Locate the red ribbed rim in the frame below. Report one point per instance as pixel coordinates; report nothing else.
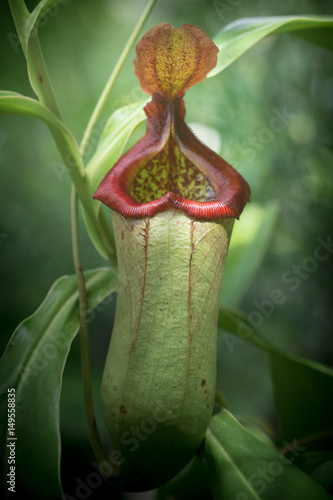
(165, 119)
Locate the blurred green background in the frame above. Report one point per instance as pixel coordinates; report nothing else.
(282, 75)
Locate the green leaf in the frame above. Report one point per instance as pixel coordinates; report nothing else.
(13, 103)
(17, 104)
(26, 22)
(303, 389)
(27, 29)
(20, 15)
(37, 71)
(102, 238)
(33, 365)
(238, 324)
(189, 484)
(41, 9)
(301, 385)
(324, 475)
(240, 467)
(115, 135)
(114, 138)
(239, 36)
(249, 243)
(256, 430)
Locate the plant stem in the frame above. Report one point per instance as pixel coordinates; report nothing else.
(29, 40)
(108, 87)
(84, 343)
(83, 305)
(304, 440)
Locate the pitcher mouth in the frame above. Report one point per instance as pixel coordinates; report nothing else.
(170, 168)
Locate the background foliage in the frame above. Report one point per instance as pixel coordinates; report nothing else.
(290, 168)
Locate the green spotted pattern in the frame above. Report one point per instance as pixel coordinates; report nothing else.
(171, 171)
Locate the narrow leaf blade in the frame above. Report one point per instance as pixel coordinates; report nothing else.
(239, 36)
(33, 365)
(237, 323)
(114, 138)
(37, 71)
(17, 104)
(301, 385)
(113, 141)
(13, 103)
(249, 243)
(302, 395)
(239, 466)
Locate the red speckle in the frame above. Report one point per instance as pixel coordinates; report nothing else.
(41, 79)
(231, 191)
(122, 409)
(203, 382)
